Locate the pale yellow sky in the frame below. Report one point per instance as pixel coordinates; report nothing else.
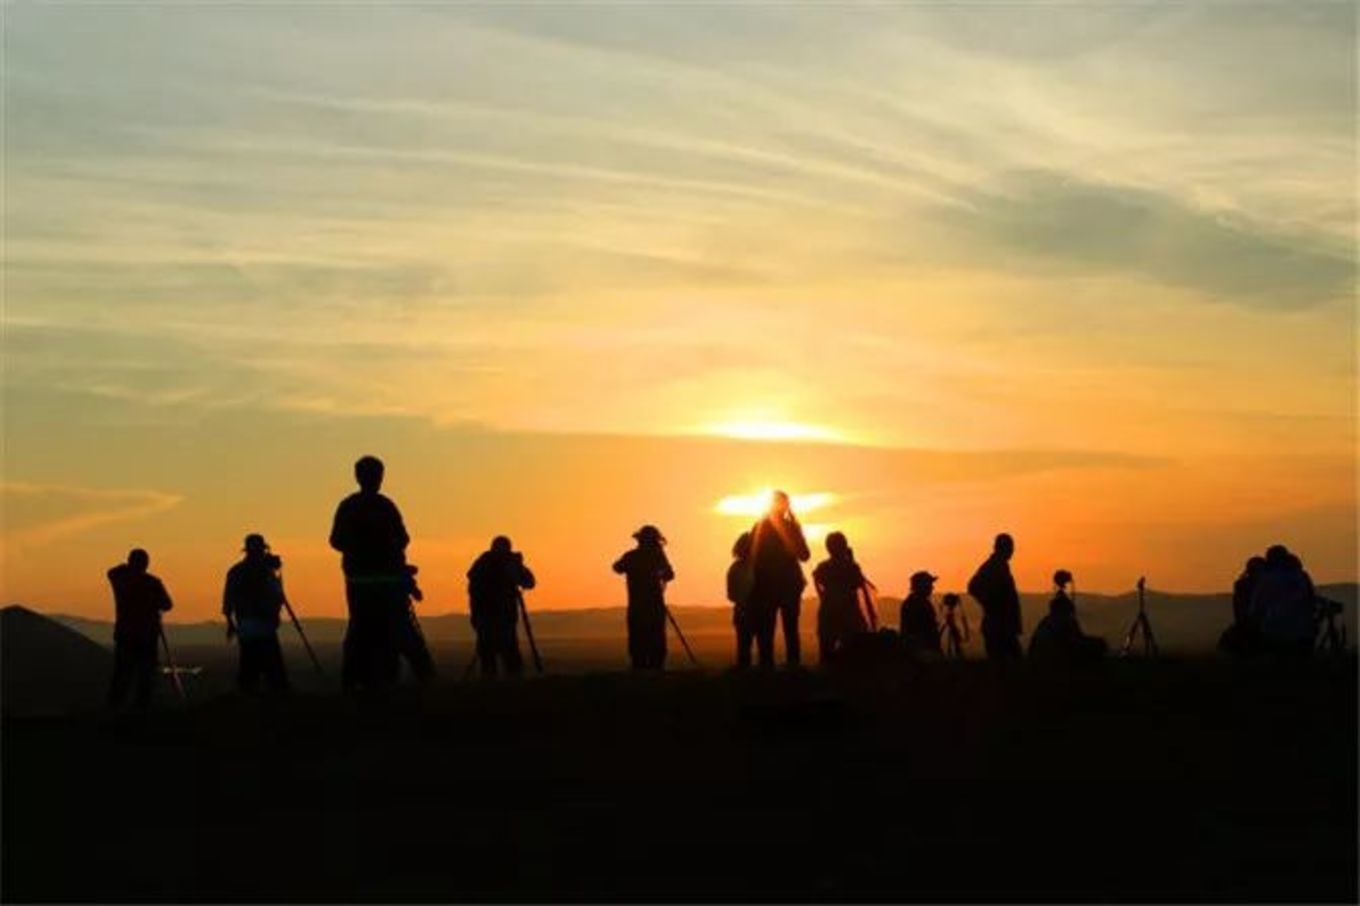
(1084, 273)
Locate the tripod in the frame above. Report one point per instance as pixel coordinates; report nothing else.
(1140, 626)
(1332, 637)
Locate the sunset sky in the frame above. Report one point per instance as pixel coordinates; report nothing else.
(1081, 272)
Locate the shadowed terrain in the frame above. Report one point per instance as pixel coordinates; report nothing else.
(1172, 780)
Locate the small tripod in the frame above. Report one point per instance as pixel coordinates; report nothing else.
(1141, 625)
(1331, 637)
(953, 639)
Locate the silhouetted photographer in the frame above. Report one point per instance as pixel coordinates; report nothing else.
(647, 571)
(252, 600)
(495, 582)
(139, 599)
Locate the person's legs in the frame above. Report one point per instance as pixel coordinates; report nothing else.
(247, 665)
(764, 619)
(144, 673)
(514, 661)
(486, 653)
(122, 674)
(745, 636)
(272, 666)
(788, 614)
(352, 650)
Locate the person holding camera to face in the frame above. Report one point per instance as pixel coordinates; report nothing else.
(495, 582)
(251, 602)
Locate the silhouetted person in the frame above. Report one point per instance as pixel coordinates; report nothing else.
(993, 587)
(839, 582)
(1058, 638)
(369, 533)
(139, 599)
(740, 580)
(1283, 605)
(647, 571)
(251, 602)
(778, 549)
(919, 626)
(1242, 637)
(494, 584)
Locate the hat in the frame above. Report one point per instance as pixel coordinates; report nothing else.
(255, 541)
(650, 533)
(921, 577)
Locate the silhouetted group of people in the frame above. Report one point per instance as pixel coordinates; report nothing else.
(1275, 607)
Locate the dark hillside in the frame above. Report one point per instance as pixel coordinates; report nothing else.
(1138, 781)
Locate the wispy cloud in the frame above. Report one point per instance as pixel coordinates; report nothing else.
(39, 514)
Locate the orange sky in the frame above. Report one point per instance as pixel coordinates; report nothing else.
(1081, 274)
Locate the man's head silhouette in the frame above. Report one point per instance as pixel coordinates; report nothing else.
(779, 503)
(501, 544)
(1004, 546)
(368, 471)
(139, 560)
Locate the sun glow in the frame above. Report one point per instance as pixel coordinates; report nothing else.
(758, 504)
(775, 430)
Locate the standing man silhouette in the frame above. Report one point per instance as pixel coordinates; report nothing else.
(778, 550)
(993, 587)
(139, 599)
(369, 533)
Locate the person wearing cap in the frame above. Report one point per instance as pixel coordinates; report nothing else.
(778, 549)
(494, 584)
(647, 571)
(251, 602)
(839, 582)
(919, 628)
(993, 587)
(139, 599)
(369, 533)
(1059, 637)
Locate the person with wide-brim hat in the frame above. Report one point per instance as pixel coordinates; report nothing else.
(647, 571)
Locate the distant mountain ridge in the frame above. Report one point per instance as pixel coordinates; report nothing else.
(1189, 622)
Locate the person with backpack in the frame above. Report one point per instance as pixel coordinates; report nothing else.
(740, 579)
(139, 599)
(919, 626)
(251, 602)
(495, 582)
(647, 571)
(993, 587)
(840, 583)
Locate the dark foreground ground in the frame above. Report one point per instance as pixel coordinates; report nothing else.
(1137, 781)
